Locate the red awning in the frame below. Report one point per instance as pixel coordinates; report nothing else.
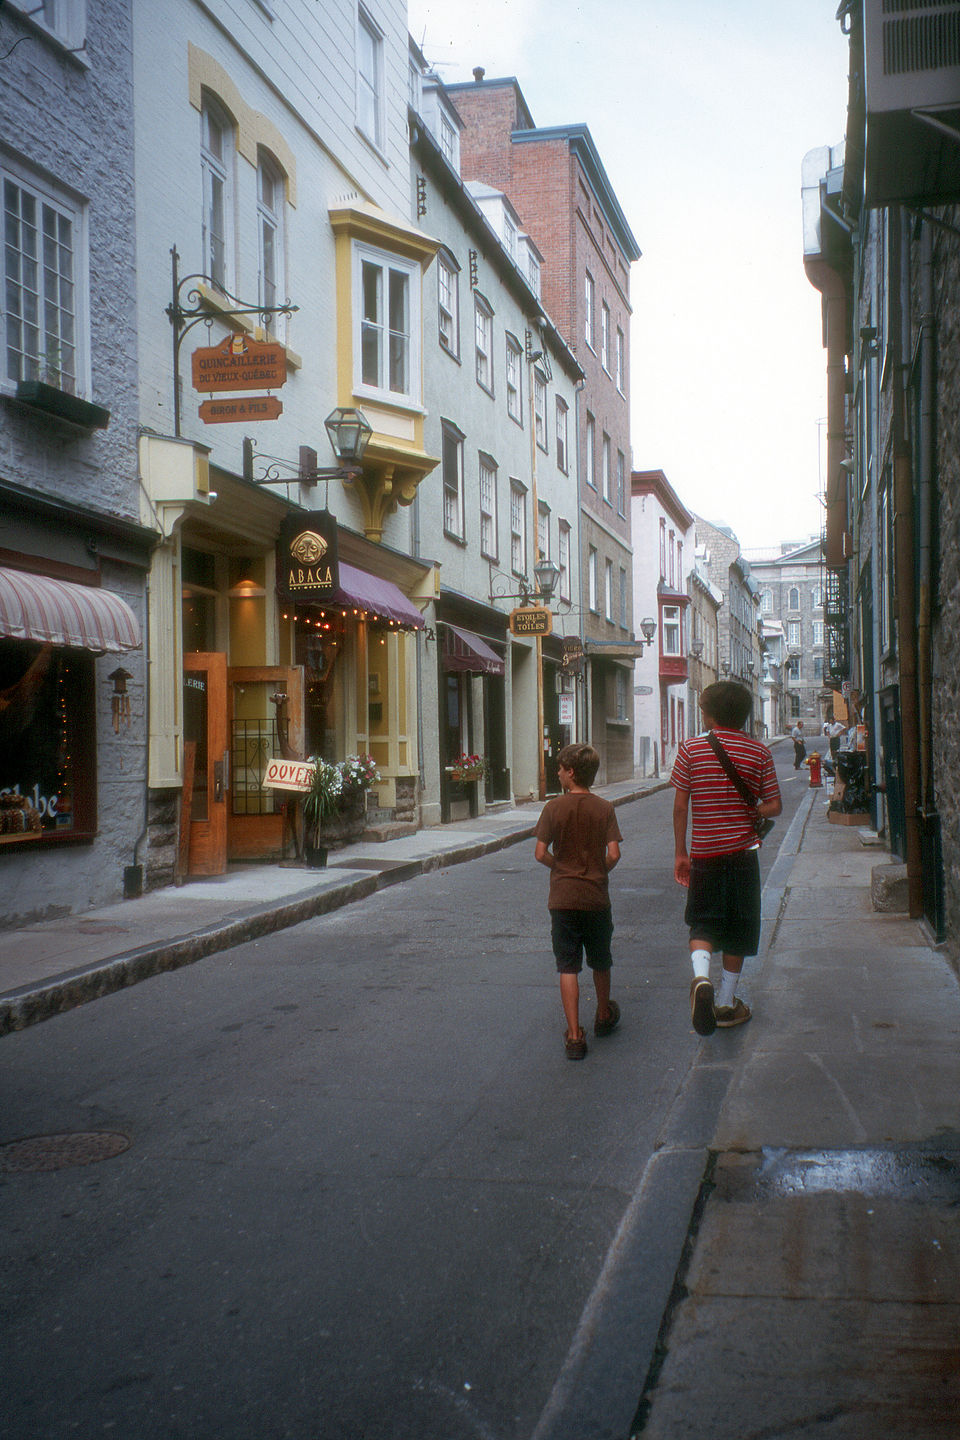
(56, 612)
(359, 590)
(462, 650)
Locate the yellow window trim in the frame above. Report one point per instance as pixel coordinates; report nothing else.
(253, 128)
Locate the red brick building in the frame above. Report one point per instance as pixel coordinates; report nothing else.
(557, 184)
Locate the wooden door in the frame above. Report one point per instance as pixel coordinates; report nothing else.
(205, 724)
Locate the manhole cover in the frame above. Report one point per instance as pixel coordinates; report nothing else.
(59, 1152)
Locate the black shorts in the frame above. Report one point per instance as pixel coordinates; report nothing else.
(723, 902)
(576, 931)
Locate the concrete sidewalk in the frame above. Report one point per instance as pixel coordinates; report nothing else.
(819, 1291)
(52, 966)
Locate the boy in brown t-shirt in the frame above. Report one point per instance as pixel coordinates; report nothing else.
(578, 839)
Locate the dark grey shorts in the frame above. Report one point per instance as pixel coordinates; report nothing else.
(577, 931)
(723, 902)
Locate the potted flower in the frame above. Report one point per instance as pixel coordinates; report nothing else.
(321, 804)
(467, 767)
(358, 773)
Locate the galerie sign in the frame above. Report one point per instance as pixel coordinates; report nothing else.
(308, 568)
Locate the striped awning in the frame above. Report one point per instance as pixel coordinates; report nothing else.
(56, 612)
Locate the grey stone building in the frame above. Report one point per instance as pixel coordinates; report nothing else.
(738, 617)
(72, 552)
(790, 581)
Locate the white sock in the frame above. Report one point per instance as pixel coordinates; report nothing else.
(728, 987)
(701, 963)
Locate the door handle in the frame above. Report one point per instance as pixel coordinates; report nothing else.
(221, 777)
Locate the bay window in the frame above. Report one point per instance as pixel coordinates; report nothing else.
(387, 324)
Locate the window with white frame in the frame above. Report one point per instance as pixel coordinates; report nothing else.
(387, 323)
(270, 216)
(563, 560)
(414, 86)
(793, 633)
(621, 483)
(671, 630)
(489, 540)
(623, 693)
(623, 597)
(217, 166)
(483, 339)
(533, 272)
(793, 598)
(449, 141)
(563, 453)
(816, 597)
(448, 302)
(605, 336)
(766, 602)
(43, 318)
(679, 564)
(514, 381)
(590, 430)
(818, 632)
(605, 469)
(518, 529)
(620, 360)
(589, 311)
(543, 531)
(66, 20)
(672, 560)
(663, 549)
(540, 409)
(593, 583)
(608, 590)
(509, 235)
(451, 451)
(369, 78)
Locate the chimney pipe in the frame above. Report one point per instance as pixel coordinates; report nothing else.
(478, 74)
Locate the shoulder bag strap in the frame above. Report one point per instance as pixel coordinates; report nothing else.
(734, 775)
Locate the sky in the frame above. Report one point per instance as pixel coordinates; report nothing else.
(702, 112)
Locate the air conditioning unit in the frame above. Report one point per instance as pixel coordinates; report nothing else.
(912, 72)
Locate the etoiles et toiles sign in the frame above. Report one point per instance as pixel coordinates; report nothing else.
(308, 568)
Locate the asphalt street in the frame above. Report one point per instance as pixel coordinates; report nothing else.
(365, 1194)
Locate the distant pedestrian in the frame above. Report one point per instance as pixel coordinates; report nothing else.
(578, 839)
(836, 730)
(799, 745)
(721, 870)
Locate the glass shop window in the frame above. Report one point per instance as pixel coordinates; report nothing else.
(47, 740)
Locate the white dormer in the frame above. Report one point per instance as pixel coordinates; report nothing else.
(505, 224)
(530, 262)
(441, 119)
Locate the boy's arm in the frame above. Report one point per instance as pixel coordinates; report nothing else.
(681, 860)
(612, 855)
(544, 855)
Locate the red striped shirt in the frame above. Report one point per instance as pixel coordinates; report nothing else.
(721, 821)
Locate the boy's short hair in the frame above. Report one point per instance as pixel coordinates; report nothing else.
(728, 703)
(583, 760)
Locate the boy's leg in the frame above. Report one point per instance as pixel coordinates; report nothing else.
(702, 1010)
(570, 996)
(730, 1010)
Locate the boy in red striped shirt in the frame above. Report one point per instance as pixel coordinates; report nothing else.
(721, 870)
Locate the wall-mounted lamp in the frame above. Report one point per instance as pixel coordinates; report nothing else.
(120, 700)
(246, 589)
(547, 574)
(349, 432)
(648, 628)
(696, 649)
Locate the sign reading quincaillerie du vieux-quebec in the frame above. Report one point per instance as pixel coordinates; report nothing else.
(239, 363)
(308, 567)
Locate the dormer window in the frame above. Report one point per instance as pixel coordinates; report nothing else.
(509, 236)
(449, 141)
(533, 272)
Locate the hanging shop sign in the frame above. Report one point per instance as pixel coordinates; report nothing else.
(288, 775)
(308, 567)
(243, 407)
(239, 363)
(573, 660)
(531, 620)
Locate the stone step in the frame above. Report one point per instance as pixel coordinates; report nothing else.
(390, 830)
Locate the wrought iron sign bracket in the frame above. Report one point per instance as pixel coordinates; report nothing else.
(306, 470)
(198, 311)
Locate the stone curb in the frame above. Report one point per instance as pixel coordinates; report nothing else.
(31, 1004)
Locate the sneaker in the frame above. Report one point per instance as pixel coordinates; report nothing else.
(576, 1049)
(607, 1027)
(701, 1006)
(736, 1014)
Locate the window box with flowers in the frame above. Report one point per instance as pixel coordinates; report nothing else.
(467, 768)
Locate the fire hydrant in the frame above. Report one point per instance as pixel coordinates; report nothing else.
(813, 764)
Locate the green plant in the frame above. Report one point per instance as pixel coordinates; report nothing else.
(468, 767)
(322, 801)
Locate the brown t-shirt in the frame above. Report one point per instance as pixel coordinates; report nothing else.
(577, 828)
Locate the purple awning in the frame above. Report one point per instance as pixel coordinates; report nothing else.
(462, 650)
(359, 590)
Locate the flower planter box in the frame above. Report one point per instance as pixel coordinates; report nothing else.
(83, 413)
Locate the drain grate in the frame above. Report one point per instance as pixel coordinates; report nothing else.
(59, 1152)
